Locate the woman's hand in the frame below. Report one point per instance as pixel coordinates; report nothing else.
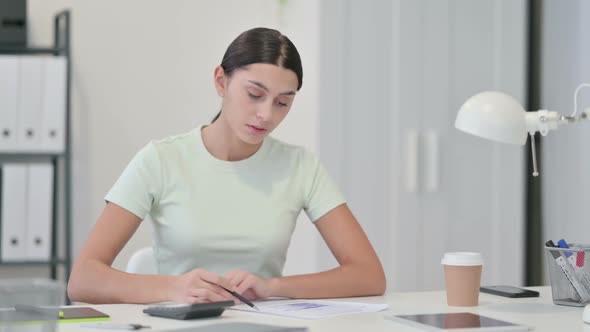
(248, 285)
(198, 286)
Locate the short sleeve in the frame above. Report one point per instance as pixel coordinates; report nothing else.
(139, 186)
(320, 192)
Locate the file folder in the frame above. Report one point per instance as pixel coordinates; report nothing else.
(13, 212)
(39, 211)
(53, 104)
(8, 101)
(29, 103)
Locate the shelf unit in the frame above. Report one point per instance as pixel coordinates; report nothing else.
(61, 175)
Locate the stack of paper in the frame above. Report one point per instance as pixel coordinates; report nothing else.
(310, 309)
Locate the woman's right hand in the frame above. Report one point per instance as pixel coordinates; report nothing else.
(198, 286)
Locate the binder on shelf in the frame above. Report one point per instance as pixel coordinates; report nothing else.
(53, 106)
(39, 211)
(13, 212)
(28, 123)
(8, 101)
(34, 109)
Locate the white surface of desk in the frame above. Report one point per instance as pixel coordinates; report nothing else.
(540, 313)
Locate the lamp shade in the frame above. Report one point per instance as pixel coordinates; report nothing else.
(495, 116)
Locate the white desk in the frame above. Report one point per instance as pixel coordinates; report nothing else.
(540, 313)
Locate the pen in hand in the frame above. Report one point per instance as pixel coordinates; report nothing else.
(241, 298)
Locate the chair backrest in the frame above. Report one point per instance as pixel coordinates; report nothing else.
(142, 262)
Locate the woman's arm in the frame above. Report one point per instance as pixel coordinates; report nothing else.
(360, 272)
(93, 280)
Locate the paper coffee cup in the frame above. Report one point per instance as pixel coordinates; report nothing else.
(462, 278)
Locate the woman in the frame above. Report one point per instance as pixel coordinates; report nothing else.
(224, 199)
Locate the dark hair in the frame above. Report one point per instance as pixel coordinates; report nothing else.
(261, 45)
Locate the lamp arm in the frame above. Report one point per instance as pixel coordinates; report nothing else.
(543, 121)
(583, 85)
(534, 154)
(582, 116)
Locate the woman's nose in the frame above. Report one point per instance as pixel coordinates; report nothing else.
(264, 112)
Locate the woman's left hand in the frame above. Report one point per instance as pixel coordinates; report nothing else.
(248, 285)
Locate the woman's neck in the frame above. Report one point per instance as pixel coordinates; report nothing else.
(223, 144)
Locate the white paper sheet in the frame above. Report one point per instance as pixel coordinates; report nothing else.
(310, 309)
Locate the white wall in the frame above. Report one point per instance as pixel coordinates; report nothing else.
(143, 70)
(565, 63)
(398, 72)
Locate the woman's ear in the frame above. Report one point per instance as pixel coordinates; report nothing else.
(220, 80)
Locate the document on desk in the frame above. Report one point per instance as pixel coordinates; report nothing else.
(310, 309)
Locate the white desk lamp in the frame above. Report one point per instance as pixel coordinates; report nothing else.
(499, 117)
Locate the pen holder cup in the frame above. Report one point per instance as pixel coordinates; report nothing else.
(30, 304)
(569, 274)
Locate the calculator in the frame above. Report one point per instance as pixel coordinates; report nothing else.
(189, 311)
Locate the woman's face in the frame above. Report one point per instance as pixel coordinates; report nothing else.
(256, 99)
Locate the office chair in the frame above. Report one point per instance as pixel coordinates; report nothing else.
(142, 262)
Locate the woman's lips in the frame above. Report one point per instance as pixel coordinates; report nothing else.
(256, 130)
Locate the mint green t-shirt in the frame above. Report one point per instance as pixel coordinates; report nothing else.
(219, 215)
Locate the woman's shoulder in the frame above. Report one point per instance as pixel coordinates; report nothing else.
(168, 148)
(173, 143)
(173, 140)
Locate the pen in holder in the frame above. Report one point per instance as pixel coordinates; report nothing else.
(569, 274)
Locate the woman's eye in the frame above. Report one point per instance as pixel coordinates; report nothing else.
(253, 96)
(282, 104)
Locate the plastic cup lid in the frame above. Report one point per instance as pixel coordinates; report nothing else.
(462, 258)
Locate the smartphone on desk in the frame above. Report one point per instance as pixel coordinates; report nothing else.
(509, 291)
